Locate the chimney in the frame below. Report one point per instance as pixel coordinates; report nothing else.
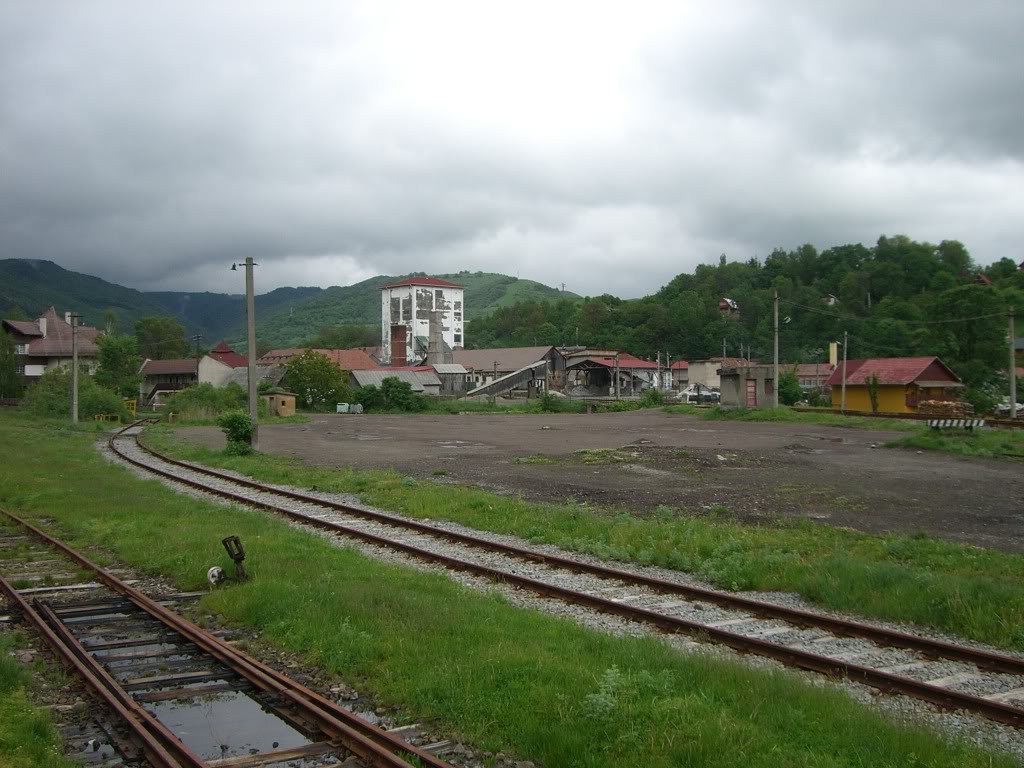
(434, 344)
(42, 326)
(398, 343)
(67, 318)
(833, 353)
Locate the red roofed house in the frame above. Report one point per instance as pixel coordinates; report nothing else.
(345, 359)
(222, 353)
(903, 382)
(407, 308)
(160, 377)
(45, 343)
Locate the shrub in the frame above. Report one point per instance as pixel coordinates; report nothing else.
(790, 392)
(205, 402)
(651, 398)
(237, 428)
(392, 395)
(51, 396)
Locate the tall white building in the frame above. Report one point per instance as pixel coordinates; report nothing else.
(409, 303)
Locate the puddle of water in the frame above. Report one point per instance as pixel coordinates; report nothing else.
(231, 720)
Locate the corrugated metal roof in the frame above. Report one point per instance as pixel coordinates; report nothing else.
(507, 358)
(375, 377)
(449, 368)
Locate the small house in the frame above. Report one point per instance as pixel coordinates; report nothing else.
(279, 402)
(680, 374)
(749, 385)
(901, 383)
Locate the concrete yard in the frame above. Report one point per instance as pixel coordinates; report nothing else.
(756, 471)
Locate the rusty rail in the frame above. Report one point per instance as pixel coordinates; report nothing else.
(941, 697)
(373, 745)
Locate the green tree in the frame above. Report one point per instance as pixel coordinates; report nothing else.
(119, 363)
(873, 391)
(15, 312)
(316, 380)
(10, 382)
(51, 396)
(161, 338)
(790, 392)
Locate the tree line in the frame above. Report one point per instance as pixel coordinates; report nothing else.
(900, 297)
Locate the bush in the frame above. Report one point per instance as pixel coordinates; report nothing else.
(205, 402)
(790, 392)
(651, 398)
(51, 396)
(392, 395)
(238, 429)
(317, 381)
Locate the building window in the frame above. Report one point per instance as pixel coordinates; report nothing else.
(20, 370)
(21, 349)
(458, 338)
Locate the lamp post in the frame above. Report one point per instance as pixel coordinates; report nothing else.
(250, 316)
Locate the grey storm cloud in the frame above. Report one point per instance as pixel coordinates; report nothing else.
(607, 146)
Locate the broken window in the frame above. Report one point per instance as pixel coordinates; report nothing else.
(424, 302)
(396, 309)
(458, 338)
(457, 306)
(407, 309)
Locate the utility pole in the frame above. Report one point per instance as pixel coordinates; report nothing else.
(250, 314)
(842, 397)
(74, 368)
(723, 350)
(668, 371)
(616, 375)
(1013, 370)
(659, 371)
(775, 371)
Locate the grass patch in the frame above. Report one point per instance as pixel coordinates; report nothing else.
(984, 443)
(27, 737)
(586, 456)
(788, 415)
(520, 682)
(973, 592)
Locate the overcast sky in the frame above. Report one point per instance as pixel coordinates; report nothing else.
(606, 145)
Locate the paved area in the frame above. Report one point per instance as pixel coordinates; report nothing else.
(756, 472)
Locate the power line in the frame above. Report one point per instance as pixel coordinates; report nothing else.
(911, 322)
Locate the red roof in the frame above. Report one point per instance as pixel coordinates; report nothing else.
(57, 340)
(346, 359)
(434, 282)
(183, 365)
(892, 371)
(625, 361)
(680, 365)
(224, 354)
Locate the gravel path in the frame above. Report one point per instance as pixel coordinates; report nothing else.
(954, 675)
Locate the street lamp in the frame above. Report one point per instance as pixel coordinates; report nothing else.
(250, 316)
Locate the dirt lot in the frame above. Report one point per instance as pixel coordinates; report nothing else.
(643, 459)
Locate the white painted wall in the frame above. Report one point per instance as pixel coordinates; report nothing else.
(212, 371)
(449, 301)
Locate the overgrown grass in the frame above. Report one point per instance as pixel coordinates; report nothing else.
(27, 737)
(986, 443)
(503, 678)
(784, 414)
(973, 592)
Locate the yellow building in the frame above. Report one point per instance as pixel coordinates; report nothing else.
(903, 382)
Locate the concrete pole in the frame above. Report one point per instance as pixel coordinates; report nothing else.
(775, 372)
(842, 398)
(1013, 370)
(74, 369)
(616, 375)
(250, 312)
(668, 371)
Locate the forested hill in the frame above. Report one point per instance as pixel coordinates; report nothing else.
(900, 297)
(360, 304)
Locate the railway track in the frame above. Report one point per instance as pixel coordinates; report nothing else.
(947, 675)
(181, 697)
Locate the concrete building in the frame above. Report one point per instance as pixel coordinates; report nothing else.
(747, 386)
(407, 309)
(45, 343)
(161, 377)
(705, 372)
(680, 374)
(903, 383)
